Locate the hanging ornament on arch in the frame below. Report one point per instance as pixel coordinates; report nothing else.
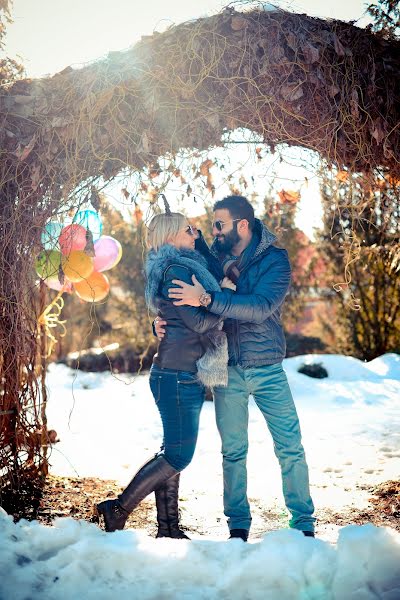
(74, 256)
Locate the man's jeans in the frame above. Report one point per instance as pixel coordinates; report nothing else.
(271, 392)
(179, 397)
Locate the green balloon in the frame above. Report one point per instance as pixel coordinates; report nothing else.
(48, 264)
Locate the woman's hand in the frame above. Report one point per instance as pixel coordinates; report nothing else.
(228, 284)
(159, 326)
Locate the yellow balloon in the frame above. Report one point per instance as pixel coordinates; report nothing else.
(94, 288)
(77, 265)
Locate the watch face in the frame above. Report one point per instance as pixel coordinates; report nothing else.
(205, 299)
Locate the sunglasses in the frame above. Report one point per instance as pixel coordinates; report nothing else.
(219, 224)
(189, 229)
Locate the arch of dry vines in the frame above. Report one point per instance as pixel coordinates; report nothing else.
(323, 85)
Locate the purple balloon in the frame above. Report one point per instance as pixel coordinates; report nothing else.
(108, 252)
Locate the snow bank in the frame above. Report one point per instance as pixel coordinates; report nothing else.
(76, 559)
(109, 425)
(348, 368)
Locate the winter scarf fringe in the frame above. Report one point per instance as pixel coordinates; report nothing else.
(212, 367)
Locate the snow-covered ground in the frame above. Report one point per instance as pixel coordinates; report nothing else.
(108, 426)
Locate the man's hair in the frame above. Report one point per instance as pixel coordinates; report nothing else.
(163, 227)
(239, 208)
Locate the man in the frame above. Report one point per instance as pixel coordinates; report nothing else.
(243, 250)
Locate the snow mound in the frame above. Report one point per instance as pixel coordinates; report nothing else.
(348, 368)
(387, 366)
(76, 559)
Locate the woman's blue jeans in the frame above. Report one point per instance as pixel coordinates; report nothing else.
(271, 392)
(179, 397)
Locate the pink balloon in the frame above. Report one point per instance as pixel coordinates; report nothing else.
(72, 237)
(108, 252)
(54, 284)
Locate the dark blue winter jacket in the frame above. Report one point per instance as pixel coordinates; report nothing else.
(252, 314)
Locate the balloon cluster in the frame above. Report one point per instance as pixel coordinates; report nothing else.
(74, 256)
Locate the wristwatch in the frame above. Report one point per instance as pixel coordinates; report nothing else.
(205, 299)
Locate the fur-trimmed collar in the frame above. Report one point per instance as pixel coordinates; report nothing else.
(166, 255)
(212, 367)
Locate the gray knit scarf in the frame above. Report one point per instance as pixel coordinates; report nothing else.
(212, 367)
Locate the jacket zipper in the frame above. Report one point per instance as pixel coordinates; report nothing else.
(237, 326)
(237, 343)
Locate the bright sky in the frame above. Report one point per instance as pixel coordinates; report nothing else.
(52, 34)
(49, 35)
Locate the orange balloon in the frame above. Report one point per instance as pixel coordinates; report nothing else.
(77, 265)
(94, 288)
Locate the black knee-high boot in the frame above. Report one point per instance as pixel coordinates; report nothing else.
(167, 509)
(149, 477)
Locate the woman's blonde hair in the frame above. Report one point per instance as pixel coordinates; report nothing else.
(164, 227)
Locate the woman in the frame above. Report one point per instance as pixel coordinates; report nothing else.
(191, 356)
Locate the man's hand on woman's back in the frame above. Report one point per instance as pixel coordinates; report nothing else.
(227, 284)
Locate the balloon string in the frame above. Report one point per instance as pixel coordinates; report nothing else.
(50, 320)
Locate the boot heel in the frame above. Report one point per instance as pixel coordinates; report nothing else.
(95, 516)
(167, 510)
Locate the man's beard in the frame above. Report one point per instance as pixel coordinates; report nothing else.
(228, 240)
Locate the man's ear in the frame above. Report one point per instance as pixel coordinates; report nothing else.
(244, 226)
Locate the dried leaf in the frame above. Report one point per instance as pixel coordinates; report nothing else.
(339, 48)
(333, 90)
(394, 182)
(209, 185)
(388, 149)
(154, 171)
(292, 91)
(95, 199)
(144, 143)
(354, 104)
(289, 196)
(239, 23)
(35, 176)
(243, 182)
(213, 120)
(22, 153)
(152, 196)
(61, 276)
(138, 214)
(342, 176)
(311, 53)
(205, 167)
(292, 41)
(276, 54)
(89, 248)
